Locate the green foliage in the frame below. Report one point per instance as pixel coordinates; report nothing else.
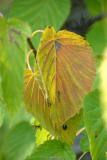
(2, 111)
(95, 126)
(17, 141)
(41, 136)
(51, 149)
(84, 144)
(97, 34)
(41, 13)
(13, 35)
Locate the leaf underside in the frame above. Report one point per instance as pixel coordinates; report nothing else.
(67, 69)
(63, 75)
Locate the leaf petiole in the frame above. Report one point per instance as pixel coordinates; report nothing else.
(83, 155)
(80, 131)
(28, 58)
(37, 31)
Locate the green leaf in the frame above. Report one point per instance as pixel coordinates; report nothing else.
(22, 115)
(41, 136)
(95, 126)
(41, 13)
(53, 149)
(97, 6)
(20, 142)
(96, 37)
(12, 60)
(2, 111)
(84, 144)
(3, 131)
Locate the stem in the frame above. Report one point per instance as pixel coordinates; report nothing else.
(35, 33)
(28, 58)
(30, 43)
(83, 155)
(31, 46)
(80, 131)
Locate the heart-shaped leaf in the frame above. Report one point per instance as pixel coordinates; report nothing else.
(63, 75)
(67, 67)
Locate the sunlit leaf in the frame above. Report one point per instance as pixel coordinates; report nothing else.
(67, 67)
(103, 84)
(41, 136)
(95, 126)
(53, 149)
(13, 35)
(34, 100)
(63, 75)
(36, 105)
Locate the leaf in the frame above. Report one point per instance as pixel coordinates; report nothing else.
(2, 111)
(33, 97)
(96, 37)
(54, 92)
(84, 144)
(40, 14)
(103, 83)
(36, 104)
(22, 115)
(72, 124)
(67, 67)
(41, 136)
(97, 6)
(12, 60)
(95, 126)
(20, 141)
(53, 149)
(3, 131)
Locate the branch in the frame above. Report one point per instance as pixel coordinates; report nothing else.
(98, 17)
(31, 46)
(30, 43)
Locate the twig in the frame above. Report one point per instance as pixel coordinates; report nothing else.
(83, 155)
(31, 46)
(98, 17)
